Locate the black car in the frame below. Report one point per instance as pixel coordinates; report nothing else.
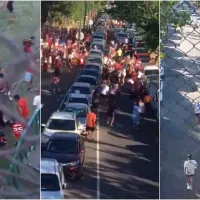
(69, 150)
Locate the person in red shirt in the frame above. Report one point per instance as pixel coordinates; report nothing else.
(17, 129)
(22, 106)
(56, 81)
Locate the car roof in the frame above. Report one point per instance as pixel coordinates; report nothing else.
(69, 135)
(95, 50)
(48, 166)
(80, 84)
(74, 95)
(93, 65)
(76, 105)
(88, 69)
(97, 42)
(87, 76)
(63, 115)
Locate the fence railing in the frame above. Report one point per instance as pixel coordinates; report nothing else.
(25, 147)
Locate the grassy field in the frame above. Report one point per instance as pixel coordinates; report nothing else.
(27, 21)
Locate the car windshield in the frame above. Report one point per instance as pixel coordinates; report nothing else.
(144, 58)
(66, 146)
(78, 100)
(141, 51)
(91, 81)
(98, 37)
(121, 35)
(90, 73)
(151, 72)
(61, 124)
(82, 90)
(49, 182)
(98, 46)
(95, 60)
(92, 67)
(95, 53)
(80, 112)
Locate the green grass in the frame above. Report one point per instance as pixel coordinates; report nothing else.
(27, 21)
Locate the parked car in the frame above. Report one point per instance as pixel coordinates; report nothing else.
(69, 150)
(92, 80)
(95, 66)
(92, 60)
(91, 72)
(122, 37)
(63, 122)
(78, 98)
(52, 179)
(81, 111)
(82, 88)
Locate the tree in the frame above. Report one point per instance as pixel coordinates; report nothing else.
(171, 13)
(145, 14)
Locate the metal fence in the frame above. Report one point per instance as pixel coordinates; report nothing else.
(180, 90)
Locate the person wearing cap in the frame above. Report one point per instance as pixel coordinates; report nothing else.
(190, 166)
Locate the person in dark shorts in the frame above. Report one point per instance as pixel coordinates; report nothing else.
(111, 113)
(10, 8)
(91, 123)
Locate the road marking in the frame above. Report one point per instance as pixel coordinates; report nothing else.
(98, 172)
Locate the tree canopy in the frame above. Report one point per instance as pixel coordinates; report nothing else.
(56, 10)
(171, 13)
(145, 14)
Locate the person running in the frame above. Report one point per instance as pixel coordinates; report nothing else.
(111, 113)
(10, 8)
(22, 106)
(91, 124)
(56, 80)
(28, 77)
(197, 111)
(17, 129)
(190, 166)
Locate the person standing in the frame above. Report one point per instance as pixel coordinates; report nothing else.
(136, 114)
(37, 100)
(111, 113)
(197, 111)
(104, 91)
(91, 123)
(22, 106)
(190, 166)
(56, 81)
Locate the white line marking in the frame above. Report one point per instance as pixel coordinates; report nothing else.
(98, 171)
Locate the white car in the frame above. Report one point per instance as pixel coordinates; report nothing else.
(52, 179)
(62, 122)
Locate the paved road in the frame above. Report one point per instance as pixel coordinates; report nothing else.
(179, 135)
(14, 60)
(121, 164)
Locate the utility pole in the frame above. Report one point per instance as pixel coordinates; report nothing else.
(85, 13)
(79, 33)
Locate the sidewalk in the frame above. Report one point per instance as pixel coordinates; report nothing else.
(179, 135)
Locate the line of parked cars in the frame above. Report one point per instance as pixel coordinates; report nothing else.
(63, 149)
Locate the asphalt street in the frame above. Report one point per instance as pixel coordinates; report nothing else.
(122, 163)
(179, 134)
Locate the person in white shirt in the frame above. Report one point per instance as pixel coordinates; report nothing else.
(37, 100)
(104, 91)
(190, 166)
(197, 111)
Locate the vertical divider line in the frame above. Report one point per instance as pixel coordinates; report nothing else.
(98, 158)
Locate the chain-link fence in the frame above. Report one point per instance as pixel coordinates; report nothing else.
(180, 90)
(19, 177)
